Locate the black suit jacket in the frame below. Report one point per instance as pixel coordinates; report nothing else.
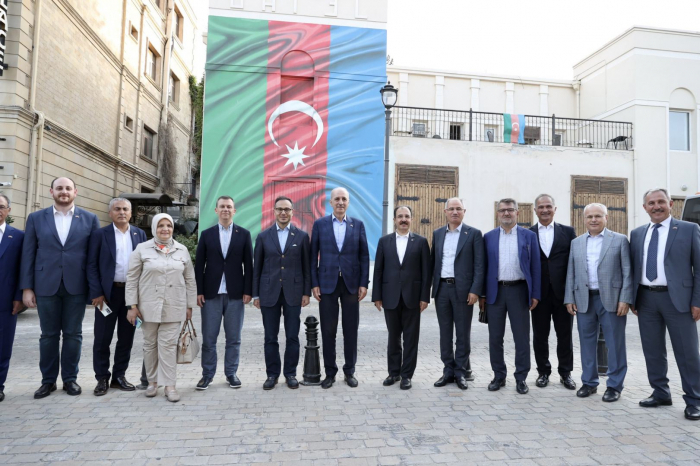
(210, 264)
(469, 261)
(409, 279)
(554, 267)
(277, 270)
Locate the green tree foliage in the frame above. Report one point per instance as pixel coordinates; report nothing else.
(190, 242)
(197, 98)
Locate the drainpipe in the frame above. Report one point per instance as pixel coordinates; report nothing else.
(38, 129)
(39, 126)
(39, 166)
(577, 88)
(165, 86)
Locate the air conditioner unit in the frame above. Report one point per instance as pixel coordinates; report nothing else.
(557, 139)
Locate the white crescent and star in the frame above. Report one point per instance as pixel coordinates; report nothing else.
(295, 156)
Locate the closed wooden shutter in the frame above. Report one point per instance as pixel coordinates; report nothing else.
(525, 214)
(611, 192)
(677, 208)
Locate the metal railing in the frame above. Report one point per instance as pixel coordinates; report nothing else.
(460, 125)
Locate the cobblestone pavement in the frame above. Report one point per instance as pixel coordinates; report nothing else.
(368, 425)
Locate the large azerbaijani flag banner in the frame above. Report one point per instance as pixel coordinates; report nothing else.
(514, 128)
(293, 109)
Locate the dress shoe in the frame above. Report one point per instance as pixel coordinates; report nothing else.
(270, 383)
(122, 384)
(172, 395)
(45, 390)
(2, 395)
(568, 382)
(292, 382)
(692, 413)
(203, 383)
(611, 395)
(72, 388)
(151, 390)
(327, 382)
(461, 382)
(652, 402)
(469, 376)
(586, 390)
(351, 381)
(391, 380)
(444, 380)
(405, 383)
(496, 384)
(234, 381)
(101, 388)
(521, 387)
(542, 380)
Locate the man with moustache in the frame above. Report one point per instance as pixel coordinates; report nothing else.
(666, 267)
(10, 294)
(108, 262)
(224, 272)
(282, 285)
(53, 279)
(555, 244)
(339, 272)
(457, 259)
(402, 287)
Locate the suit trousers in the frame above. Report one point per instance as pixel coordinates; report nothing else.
(60, 315)
(454, 318)
(271, 323)
(513, 302)
(589, 324)
(551, 309)
(8, 324)
(329, 310)
(656, 313)
(231, 312)
(104, 331)
(406, 321)
(160, 351)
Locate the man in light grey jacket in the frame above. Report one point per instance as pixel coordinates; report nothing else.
(599, 292)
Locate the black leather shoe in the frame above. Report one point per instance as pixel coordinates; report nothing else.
(391, 380)
(292, 382)
(586, 390)
(568, 382)
(611, 395)
(101, 388)
(496, 384)
(2, 395)
(692, 413)
(652, 402)
(122, 384)
(270, 383)
(203, 383)
(521, 387)
(461, 382)
(405, 384)
(444, 380)
(45, 390)
(233, 381)
(351, 381)
(469, 376)
(542, 380)
(72, 388)
(327, 382)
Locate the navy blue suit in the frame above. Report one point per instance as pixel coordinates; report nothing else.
(339, 273)
(210, 265)
(10, 256)
(101, 267)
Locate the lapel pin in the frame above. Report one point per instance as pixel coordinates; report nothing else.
(77, 216)
(675, 228)
(236, 231)
(292, 234)
(10, 236)
(352, 224)
(411, 239)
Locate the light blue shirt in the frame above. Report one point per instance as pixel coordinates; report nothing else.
(449, 251)
(282, 235)
(339, 228)
(508, 258)
(594, 244)
(225, 240)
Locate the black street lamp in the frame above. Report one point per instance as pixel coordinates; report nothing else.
(389, 95)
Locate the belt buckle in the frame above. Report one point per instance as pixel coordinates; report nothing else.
(450, 281)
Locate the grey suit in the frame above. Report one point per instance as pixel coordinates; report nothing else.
(596, 308)
(658, 310)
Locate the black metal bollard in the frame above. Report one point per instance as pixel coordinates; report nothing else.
(602, 353)
(312, 358)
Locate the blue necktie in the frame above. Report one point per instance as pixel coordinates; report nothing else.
(652, 253)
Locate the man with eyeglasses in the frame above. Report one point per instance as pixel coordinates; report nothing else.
(224, 273)
(10, 294)
(281, 285)
(457, 259)
(513, 284)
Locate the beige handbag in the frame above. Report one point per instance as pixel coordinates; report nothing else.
(187, 344)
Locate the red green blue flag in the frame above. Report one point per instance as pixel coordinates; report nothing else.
(514, 128)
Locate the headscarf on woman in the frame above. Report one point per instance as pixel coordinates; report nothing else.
(162, 245)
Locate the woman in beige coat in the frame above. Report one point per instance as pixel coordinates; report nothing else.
(161, 290)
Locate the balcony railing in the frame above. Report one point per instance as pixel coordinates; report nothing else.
(469, 125)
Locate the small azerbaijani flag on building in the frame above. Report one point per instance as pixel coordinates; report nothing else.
(514, 128)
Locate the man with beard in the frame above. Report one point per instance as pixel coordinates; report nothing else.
(53, 279)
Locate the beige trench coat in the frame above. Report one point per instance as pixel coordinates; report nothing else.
(162, 286)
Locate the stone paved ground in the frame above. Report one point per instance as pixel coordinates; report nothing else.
(341, 426)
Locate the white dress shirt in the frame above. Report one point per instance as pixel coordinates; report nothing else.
(661, 252)
(508, 257)
(124, 249)
(63, 223)
(594, 244)
(449, 252)
(401, 243)
(339, 227)
(546, 234)
(2, 231)
(225, 240)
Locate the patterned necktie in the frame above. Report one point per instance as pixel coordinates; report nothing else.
(652, 253)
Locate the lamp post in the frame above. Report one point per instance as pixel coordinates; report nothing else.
(389, 95)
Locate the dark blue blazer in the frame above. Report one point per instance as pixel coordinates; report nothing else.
(276, 270)
(102, 260)
(326, 260)
(529, 255)
(468, 264)
(45, 262)
(10, 256)
(210, 264)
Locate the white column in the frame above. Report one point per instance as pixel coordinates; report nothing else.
(403, 89)
(544, 104)
(510, 106)
(476, 85)
(439, 92)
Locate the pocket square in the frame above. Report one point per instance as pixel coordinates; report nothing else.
(294, 245)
